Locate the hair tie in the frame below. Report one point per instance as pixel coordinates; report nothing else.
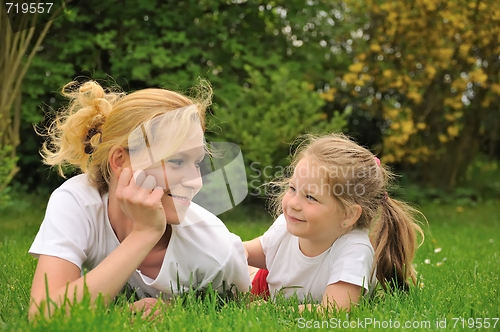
(89, 149)
(385, 197)
(377, 161)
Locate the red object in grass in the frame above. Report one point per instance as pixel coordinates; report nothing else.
(259, 284)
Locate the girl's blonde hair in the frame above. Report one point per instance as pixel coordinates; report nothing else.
(96, 120)
(355, 176)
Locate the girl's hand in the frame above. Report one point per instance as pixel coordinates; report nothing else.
(140, 199)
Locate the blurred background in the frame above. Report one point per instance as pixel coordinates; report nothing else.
(417, 82)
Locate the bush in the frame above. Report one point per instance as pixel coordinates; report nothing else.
(265, 116)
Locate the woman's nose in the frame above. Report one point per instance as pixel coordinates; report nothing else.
(193, 179)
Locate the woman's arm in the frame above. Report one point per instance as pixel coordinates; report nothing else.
(255, 254)
(63, 279)
(64, 283)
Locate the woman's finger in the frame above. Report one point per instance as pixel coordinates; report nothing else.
(149, 182)
(125, 177)
(139, 177)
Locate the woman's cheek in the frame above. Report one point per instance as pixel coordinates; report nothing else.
(160, 175)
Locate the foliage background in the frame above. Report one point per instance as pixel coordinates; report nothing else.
(417, 82)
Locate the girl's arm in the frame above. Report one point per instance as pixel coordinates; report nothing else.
(342, 295)
(255, 254)
(338, 296)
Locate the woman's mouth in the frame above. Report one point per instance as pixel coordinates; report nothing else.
(180, 199)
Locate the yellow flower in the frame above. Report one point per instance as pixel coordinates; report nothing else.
(359, 82)
(460, 209)
(495, 88)
(387, 73)
(453, 131)
(387, 159)
(478, 76)
(356, 67)
(361, 57)
(395, 126)
(464, 49)
(329, 95)
(350, 78)
(445, 53)
(449, 117)
(375, 48)
(415, 96)
(430, 71)
(407, 127)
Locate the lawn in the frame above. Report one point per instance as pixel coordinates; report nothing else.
(458, 286)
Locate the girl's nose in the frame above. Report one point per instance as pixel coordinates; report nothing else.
(294, 203)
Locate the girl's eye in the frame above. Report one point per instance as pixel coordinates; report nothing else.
(291, 188)
(309, 197)
(177, 162)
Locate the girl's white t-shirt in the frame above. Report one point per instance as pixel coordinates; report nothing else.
(349, 259)
(201, 250)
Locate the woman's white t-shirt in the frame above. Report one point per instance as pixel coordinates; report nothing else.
(201, 251)
(349, 259)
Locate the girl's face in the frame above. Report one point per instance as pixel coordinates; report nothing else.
(179, 175)
(311, 211)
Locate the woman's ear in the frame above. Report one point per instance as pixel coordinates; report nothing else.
(352, 214)
(118, 159)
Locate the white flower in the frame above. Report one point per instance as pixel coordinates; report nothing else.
(427, 261)
(437, 250)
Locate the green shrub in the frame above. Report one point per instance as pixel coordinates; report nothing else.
(265, 116)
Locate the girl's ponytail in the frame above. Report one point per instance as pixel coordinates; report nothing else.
(394, 238)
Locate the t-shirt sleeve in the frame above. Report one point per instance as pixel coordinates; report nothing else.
(273, 235)
(235, 271)
(353, 265)
(64, 230)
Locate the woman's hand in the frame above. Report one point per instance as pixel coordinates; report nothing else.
(146, 306)
(140, 199)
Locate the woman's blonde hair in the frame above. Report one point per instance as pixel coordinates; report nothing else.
(96, 120)
(355, 176)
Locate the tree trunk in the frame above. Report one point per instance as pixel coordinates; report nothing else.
(17, 50)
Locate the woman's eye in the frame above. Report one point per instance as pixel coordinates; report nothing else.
(177, 162)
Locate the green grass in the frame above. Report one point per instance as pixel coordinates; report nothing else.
(458, 265)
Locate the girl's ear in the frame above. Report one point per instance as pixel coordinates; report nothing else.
(352, 214)
(118, 159)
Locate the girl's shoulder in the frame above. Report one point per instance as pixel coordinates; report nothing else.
(356, 238)
(276, 234)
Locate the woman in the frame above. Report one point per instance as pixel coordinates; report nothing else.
(128, 222)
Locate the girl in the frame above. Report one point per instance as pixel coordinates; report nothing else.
(336, 226)
(128, 219)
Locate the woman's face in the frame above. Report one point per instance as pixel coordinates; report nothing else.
(179, 174)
